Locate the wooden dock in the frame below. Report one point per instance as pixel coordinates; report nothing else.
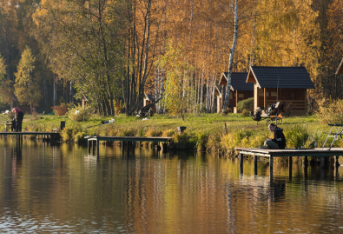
(50, 136)
(91, 140)
(289, 153)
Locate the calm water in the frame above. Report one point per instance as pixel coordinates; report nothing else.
(62, 189)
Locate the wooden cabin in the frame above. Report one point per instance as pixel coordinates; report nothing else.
(286, 85)
(239, 90)
(148, 99)
(340, 68)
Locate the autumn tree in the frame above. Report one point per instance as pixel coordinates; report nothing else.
(26, 87)
(82, 43)
(178, 93)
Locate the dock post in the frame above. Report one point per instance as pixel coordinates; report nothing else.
(241, 163)
(305, 161)
(336, 161)
(164, 147)
(271, 168)
(290, 160)
(322, 163)
(93, 148)
(97, 147)
(255, 165)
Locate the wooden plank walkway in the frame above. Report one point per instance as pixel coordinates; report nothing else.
(27, 133)
(289, 153)
(96, 139)
(48, 136)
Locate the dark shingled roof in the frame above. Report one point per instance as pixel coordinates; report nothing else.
(282, 77)
(149, 96)
(238, 81)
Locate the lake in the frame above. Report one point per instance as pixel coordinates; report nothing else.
(61, 188)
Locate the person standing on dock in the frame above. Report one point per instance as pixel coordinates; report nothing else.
(279, 140)
(19, 115)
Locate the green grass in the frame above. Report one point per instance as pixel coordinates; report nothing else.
(217, 132)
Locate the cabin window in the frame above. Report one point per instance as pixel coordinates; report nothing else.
(241, 95)
(273, 94)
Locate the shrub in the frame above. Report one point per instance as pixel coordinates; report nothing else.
(186, 141)
(214, 142)
(168, 133)
(80, 137)
(127, 132)
(331, 111)
(245, 112)
(202, 141)
(67, 134)
(246, 104)
(297, 136)
(239, 138)
(153, 133)
(79, 114)
(60, 110)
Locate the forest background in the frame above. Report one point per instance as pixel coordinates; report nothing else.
(58, 51)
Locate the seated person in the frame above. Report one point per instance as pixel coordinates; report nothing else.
(279, 140)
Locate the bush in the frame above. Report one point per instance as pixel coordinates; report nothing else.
(60, 110)
(153, 133)
(79, 114)
(331, 111)
(297, 136)
(168, 133)
(246, 104)
(245, 112)
(202, 141)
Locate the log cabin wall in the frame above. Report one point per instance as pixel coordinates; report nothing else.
(295, 99)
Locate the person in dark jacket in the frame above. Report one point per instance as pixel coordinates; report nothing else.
(279, 140)
(19, 115)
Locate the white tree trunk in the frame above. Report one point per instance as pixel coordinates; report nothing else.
(235, 13)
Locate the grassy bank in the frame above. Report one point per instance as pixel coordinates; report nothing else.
(216, 133)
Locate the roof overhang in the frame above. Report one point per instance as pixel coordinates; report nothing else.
(251, 78)
(146, 97)
(340, 68)
(223, 79)
(217, 92)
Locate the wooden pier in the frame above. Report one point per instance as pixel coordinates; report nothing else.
(289, 153)
(91, 140)
(51, 136)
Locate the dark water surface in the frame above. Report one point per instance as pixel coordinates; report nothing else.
(61, 189)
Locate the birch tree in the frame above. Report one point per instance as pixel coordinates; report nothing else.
(242, 13)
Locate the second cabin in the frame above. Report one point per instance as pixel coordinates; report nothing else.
(239, 90)
(286, 85)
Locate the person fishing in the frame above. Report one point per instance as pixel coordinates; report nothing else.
(18, 115)
(279, 140)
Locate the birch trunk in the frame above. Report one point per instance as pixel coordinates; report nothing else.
(235, 13)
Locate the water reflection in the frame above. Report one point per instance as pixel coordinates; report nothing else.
(62, 188)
